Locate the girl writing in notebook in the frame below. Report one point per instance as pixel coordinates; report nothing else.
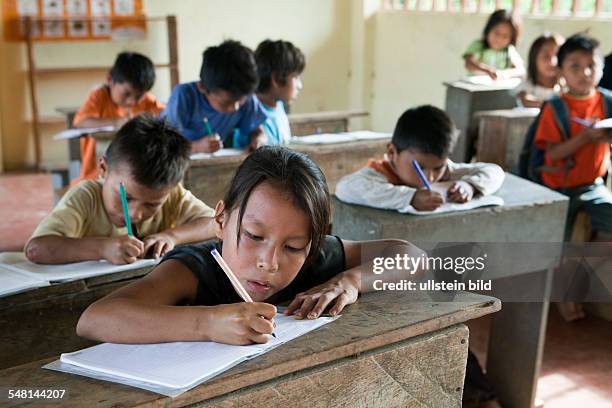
(495, 54)
(271, 229)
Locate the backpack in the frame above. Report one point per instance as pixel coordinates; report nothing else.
(531, 159)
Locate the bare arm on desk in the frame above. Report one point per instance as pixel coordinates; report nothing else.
(473, 65)
(146, 311)
(55, 249)
(344, 288)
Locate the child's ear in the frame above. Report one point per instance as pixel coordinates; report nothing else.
(274, 80)
(391, 152)
(102, 167)
(109, 80)
(219, 219)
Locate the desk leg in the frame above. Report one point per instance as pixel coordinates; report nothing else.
(515, 352)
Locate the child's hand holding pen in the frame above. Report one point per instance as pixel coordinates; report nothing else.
(209, 143)
(121, 250)
(241, 323)
(425, 199)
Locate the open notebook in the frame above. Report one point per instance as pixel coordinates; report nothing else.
(173, 368)
(345, 137)
(14, 282)
(72, 133)
(20, 266)
(218, 153)
(442, 188)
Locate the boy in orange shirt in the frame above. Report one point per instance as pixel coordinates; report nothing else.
(575, 165)
(125, 94)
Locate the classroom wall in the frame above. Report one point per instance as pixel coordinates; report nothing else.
(321, 28)
(415, 52)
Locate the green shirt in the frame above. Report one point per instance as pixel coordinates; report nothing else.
(499, 59)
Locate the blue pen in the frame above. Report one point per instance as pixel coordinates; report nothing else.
(421, 174)
(583, 122)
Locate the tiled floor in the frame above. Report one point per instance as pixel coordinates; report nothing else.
(24, 201)
(577, 366)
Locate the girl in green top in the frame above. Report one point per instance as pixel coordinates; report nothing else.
(495, 53)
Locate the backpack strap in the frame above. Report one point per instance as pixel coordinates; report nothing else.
(561, 115)
(607, 101)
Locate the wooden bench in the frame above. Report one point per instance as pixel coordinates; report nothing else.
(389, 349)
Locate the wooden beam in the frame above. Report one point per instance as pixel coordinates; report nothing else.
(172, 51)
(33, 96)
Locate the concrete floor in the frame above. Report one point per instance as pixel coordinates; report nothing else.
(577, 365)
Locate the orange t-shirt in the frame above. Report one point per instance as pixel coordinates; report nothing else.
(99, 105)
(384, 167)
(590, 160)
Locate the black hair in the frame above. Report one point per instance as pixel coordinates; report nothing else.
(425, 129)
(229, 67)
(498, 17)
(293, 173)
(135, 69)
(577, 42)
(280, 58)
(156, 154)
(536, 46)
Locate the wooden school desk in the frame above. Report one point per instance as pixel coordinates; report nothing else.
(501, 134)
(303, 124)
(42, 322)
(463, 99)
(208, 178)
(388, 349)
(531, 213)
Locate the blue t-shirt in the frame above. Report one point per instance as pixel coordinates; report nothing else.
(276, 127)
(188, 107)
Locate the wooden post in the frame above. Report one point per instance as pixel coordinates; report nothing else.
(554, 9)
(172, 51)
(598, 7)
(535, 7)
(575, 7)
(33, 98)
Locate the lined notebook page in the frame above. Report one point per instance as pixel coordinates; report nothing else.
(442, 188)
(180, 365)
(17, 262)
(13, 282)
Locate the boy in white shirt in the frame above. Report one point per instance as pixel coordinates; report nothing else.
(427, 135)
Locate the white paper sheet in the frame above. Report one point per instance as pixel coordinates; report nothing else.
(72, 133)
(16, 261)
(13, 282)
(171, 368)
(442, 188)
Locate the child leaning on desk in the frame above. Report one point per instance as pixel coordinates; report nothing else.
(88, 223)
(208, 111)
(425, 134)
(495, 54)
(125, 94)
(271, 229)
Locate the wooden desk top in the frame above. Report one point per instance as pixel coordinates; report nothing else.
(311, 150)
(509, 113)
(377, 320)
(472, 87)
(296, 118)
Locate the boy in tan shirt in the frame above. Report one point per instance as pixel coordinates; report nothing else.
(150, 159)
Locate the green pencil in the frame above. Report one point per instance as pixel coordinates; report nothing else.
(208, 129)
(126, 212)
